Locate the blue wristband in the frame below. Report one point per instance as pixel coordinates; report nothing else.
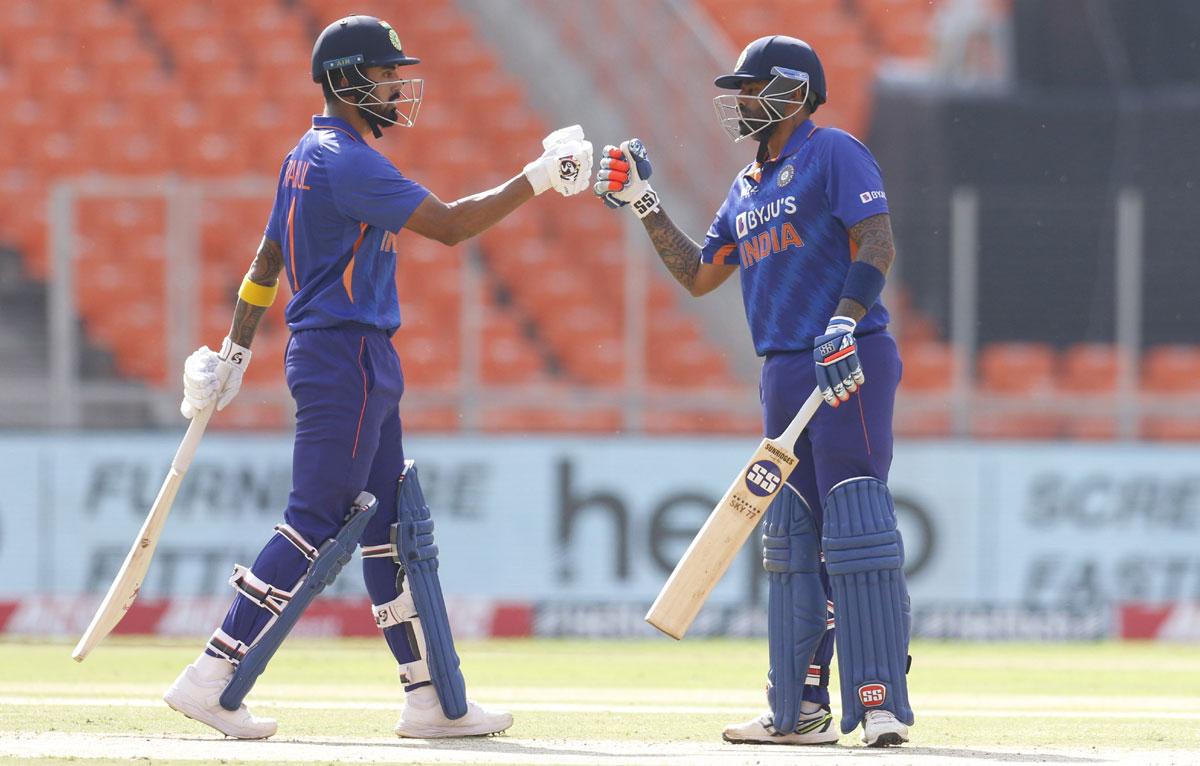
(863, 284)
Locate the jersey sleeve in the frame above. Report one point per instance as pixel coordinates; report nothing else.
(854, 182)
(275, 220)
(370, 189)
(719, 245)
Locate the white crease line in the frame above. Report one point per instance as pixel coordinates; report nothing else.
(594, 708)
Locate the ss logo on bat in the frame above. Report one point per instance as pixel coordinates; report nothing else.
(763, 478)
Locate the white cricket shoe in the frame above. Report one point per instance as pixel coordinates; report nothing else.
(812, 729)
(422, 718)
(881, 729)
(197, 693)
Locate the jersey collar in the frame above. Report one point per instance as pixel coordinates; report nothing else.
(801, 134)
(321, 122)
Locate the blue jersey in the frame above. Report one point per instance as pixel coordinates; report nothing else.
(338, 210)
(787, 223)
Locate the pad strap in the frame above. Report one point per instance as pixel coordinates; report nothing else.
(297, 539)
(273, 599)
(225, 645)
(385, 551)
(400, 614)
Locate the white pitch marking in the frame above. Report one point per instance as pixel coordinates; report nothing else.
(495, 751)
(598, 708)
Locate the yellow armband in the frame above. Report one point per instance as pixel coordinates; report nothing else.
(256, 294)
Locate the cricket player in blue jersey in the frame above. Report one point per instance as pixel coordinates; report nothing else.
(806, 225)
(338, 209)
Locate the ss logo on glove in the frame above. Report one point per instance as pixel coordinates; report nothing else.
(568, 169)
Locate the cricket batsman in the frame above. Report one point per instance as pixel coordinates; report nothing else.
(338, 209)
(806, 225)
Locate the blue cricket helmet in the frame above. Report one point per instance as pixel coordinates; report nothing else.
(357, 41)
(762, 57)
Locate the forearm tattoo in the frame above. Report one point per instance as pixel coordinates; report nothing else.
(677, 250)
(264, 271)
(873, 239)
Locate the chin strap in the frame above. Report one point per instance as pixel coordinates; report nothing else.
(372, 121)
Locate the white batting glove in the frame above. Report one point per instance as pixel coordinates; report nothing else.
(210, 376)
(623, 178)
(565, 165)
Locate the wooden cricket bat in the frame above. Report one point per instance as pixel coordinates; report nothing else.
(124, 590)
(723, 534)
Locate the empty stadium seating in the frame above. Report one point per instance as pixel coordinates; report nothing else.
(216, 89)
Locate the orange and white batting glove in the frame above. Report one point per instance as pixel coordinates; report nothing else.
(623, 178)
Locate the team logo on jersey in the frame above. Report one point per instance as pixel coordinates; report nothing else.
(395, 38)
(763, 478)
(786, 175)
(872, 695)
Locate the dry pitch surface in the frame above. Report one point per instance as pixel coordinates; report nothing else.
(653, 702)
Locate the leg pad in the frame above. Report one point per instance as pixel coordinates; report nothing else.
(864, 555)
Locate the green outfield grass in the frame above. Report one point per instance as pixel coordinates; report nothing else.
(1142, 696)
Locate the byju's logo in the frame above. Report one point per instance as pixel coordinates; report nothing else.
(867, 196)
(763, 478)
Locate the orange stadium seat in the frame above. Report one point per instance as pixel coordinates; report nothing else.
(1016, 368)
(1090, 369)
(928, 368)
(541, 420)
(509, 357)
(700, 423)
(1171, 370)
(1019, 370)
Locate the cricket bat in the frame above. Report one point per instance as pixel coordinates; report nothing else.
(723, 534)
(124, 589)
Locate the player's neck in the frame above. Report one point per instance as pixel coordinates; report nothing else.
(349, 114)
(779, 137)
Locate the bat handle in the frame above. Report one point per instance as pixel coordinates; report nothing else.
(800, 422)
(191, 440)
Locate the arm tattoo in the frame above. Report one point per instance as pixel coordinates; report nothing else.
(267, 263)
(677, 250)
(873, 238)
(264, 271)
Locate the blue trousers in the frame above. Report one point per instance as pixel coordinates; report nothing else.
(854, 439)
(347, 384)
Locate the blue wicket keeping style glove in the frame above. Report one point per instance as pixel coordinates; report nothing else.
(839, 373)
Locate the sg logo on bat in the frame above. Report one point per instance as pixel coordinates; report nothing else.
(763, 478)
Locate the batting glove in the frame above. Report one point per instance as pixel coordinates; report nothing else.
(622, 179)
(210, 376)
(839, 373)
(565, 165)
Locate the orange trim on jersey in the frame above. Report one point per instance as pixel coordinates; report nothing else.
(348, 274)
(723, 253)
(853, 250)
(292, 245)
